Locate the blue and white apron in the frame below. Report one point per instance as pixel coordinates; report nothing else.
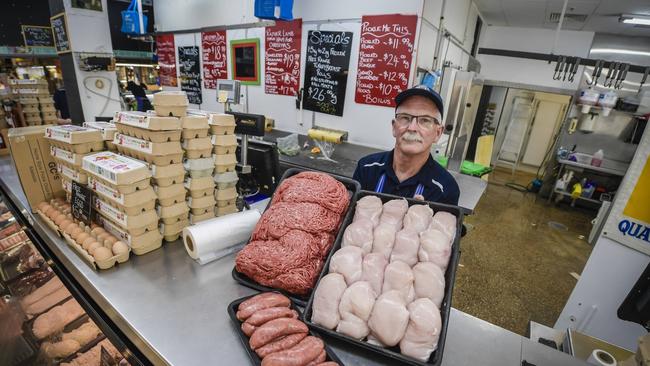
(380, 186)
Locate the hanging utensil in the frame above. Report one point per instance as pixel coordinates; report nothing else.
(598, 69)
(610, 69)
(558, 68)
(574, 70)
(567, 69)
(644, 78)
(621, 76)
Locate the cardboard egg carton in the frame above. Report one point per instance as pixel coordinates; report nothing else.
(226, 180)
(169, 195)
(131, 223)
(47, 108)
(107, 129)
(225, 163)
(198, 186)
(122, 173)
(199, 148)
(92, 261)
(159, 154)
(66, 156)
(30, 109)
(195, 219)
(141, 243)
(131, 204)
(76, 175)
(148, 121)
(25, 101)
(149, 135)
(167, 175)
(199, 164)
(201, 173)
(83, 148)
(48, 115)
(164, 182)
(72, 134)
(173, 213)
(226, 210)
(224, 140)
(194, 134)
(222, 130)
(201, 202)
(222, 195)
(170, 103)
(172, 232)
(32, 114)
(221, 119)
(195, 122)
(172, 200)
(67, 185)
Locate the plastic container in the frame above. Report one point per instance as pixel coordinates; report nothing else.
(232, 312)
(597, 159)
(607, 101)
(353, 188)
(580, 158)
(445, 309)
(588, 98)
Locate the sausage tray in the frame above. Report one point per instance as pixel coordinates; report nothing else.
(255, 359)
(353, 188)
(450, 275)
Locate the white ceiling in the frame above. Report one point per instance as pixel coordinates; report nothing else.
(602, 15)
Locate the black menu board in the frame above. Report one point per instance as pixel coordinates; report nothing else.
(326, 71)
(60, 31)
(37, 36)
(190, 73)
(83, 207)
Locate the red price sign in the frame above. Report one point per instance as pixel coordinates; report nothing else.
(214, 58)
(166, 51)
(282, 58)
(385, 53)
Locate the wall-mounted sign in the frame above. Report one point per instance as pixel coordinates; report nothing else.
(385, 53)
(245, 60)
(215, 67)
(282, 58)
(166, 51)
(326, 71)
(190, 73)
(37, 36)
(60, 31)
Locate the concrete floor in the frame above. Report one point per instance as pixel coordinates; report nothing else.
(514, 267)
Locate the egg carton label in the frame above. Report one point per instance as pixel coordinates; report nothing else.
(133, 119)
(107, 191)
(67, 185)
(111, 212)
(109, 165)
(115, 230)
(63, 133)
(133, 143)
(68, 173)
(63, 154)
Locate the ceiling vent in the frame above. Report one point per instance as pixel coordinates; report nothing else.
(555, 17)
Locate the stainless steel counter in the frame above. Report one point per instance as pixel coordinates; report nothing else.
(174, 310)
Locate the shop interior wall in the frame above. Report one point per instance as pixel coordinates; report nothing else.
(367, 125)
(532, 72)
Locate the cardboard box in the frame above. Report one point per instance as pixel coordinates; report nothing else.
(4, 142)
(36, 168)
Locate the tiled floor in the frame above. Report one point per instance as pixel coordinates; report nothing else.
(514, 266)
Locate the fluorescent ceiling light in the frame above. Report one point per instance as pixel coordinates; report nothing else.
(635, 19)
(619, 51)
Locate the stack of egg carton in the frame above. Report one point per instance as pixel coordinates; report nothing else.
(157, 141)
(125, 199)
(107, 129)
(69, 144)
(222, 130)
(31, 111)
(199, 165)
(48, 111)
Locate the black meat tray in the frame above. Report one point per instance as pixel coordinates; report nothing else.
(232, 311)
(353, 188)
(450, 275)
(9, 268)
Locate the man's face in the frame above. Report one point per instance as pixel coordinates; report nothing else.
(414, 138)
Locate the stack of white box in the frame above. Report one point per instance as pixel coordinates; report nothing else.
(222, 129)
(199, 165)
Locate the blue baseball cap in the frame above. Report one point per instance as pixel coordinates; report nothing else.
(421, 90)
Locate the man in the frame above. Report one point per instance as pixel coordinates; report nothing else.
(409, 169)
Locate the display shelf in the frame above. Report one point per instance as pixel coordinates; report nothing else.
(579, 198)
(618, 169)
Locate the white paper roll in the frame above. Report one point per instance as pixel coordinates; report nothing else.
(214, 238)
(601, 358)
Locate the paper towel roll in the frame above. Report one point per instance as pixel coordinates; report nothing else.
(601, 358)
(205, 240)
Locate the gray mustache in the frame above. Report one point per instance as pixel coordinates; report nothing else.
(412, 137)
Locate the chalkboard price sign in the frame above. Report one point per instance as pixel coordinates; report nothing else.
(60, 30)
(37, 36)
(326, 71)
(190, 73)
(83, 207)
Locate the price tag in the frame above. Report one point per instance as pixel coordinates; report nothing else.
(223, 96)
(83, 207)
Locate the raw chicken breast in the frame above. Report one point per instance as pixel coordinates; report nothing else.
(347, 261)
(374, 265)
(383, 240)
(389, 318)
(423, 330)
(429, 282)
(399, 276)
(393, 213)
(326, 300)
(359, 234)
(369, 208)
(407, 243)
(355, 307)
(445, 222)
(418, 218)
(434, 247)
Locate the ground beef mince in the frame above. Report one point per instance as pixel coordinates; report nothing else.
(294, 236)
(315, 188)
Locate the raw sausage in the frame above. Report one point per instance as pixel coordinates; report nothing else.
(262, 316)
(328, 363)
(248, 329)
(275, 329)
(261, 302)
(281, 344)
(321, 358)
(301, 354)
(253, 299)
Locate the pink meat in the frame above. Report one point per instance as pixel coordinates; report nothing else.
(314, 187)
(284, 216)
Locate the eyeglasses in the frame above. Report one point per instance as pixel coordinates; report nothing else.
(426, 122)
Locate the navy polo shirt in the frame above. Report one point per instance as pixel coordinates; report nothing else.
(438, 184)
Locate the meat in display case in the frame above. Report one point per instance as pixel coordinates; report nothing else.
(41, 323)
